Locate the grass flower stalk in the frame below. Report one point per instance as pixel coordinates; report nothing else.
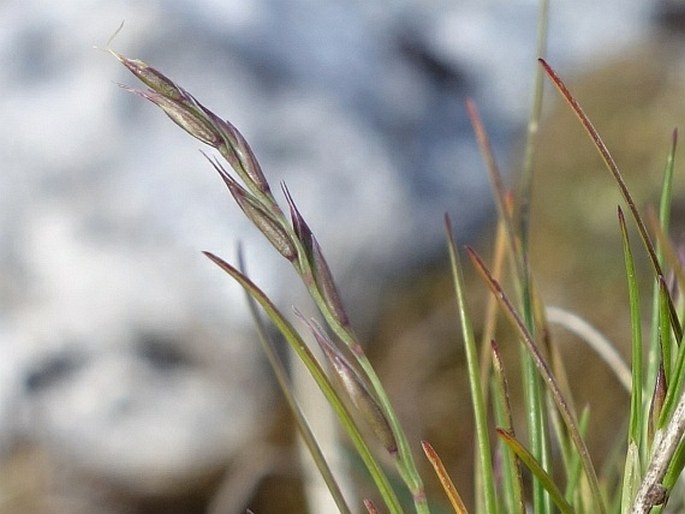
(294, 241)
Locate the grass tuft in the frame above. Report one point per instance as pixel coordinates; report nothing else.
(643, 474)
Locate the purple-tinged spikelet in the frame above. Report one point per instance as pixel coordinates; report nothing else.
(356, 388)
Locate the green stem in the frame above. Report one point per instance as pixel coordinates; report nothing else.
(472, 362)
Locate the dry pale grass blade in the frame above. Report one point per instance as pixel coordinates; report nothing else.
(501, 192)
(594, 339)
(491, 309)
(445, 480)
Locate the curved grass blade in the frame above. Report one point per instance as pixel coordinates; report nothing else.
(565, 410)
(445, 480)
(606, 157)
(611, 165)
(320, 378)
(534, 466)
(594, 339)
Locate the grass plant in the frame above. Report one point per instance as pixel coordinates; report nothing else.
(643, 476)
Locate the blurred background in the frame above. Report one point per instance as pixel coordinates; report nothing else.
(130, 377)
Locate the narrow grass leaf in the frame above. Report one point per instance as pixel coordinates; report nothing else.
(499, 254)
(663, 227)
(479, 410)
(445, 480)
(526, 184)
(675, 467)
(534, 466)
(574, 468)
(664, 332)
(676, 381)
(670, 313)
(674, 386)
(637, 421)
(667, 183)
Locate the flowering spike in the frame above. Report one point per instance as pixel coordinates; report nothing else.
(278, 237)
(324, 282)
(355, 387)
(302, 230)
(323, 277)
(185, 118)
(256, 213)
(198, 121)
(151, 77)
(236, 150)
